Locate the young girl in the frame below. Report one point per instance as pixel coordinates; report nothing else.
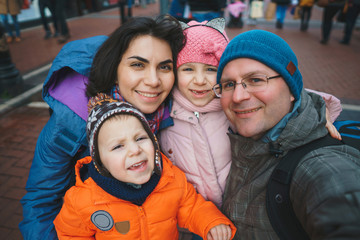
(198, 143)
(133, 191)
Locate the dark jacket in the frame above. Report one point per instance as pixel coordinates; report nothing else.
(325, 189)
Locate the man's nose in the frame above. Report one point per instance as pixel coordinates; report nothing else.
(240, 93)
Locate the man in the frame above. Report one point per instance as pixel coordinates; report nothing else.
(262, 95)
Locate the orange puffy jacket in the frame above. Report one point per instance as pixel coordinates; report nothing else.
(89, 212)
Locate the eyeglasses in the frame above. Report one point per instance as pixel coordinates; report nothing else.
(254, 83)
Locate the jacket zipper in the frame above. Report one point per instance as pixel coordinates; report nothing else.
(143, 224)
(197, 114)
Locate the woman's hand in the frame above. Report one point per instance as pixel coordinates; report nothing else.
(331, 128)
(219, 232)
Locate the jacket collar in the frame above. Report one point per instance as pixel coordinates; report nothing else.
(306, 126)
(101, 197)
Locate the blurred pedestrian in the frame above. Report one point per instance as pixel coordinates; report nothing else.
(50, 4)
(305, 13)
(12, 7)
(351, 16)
(281, 7)
(129, 8)
(236, 8)
(205, 10)
(333, 8)
(122, 4)
(252, 20)
(61, 17)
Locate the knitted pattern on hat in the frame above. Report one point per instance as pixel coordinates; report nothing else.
(205, 42)
(269, 49)
(101, 108)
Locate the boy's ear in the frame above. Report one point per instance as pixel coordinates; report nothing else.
(217, 23)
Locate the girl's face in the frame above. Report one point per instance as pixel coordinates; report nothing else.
(195, 82)
(145, 73)
(126, 149)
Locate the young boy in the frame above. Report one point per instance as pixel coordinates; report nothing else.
(133, 191)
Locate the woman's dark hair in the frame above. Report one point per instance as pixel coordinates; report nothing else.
(103, 74)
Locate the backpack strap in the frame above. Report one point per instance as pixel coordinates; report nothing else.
(278, 204)
(351, 128)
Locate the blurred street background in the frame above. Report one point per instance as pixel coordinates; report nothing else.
(333, 68)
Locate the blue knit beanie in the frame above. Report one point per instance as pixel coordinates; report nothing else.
(269, 49)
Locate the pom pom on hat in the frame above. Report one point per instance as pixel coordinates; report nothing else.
(269, 49)
(103, 107)
(205, 42)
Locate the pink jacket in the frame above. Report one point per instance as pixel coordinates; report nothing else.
(198, 143)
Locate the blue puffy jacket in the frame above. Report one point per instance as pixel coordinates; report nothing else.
(62, 141)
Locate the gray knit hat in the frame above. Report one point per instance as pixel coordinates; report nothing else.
(269, 49)
(101, 108)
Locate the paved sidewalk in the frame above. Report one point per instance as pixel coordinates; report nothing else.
(333, 68)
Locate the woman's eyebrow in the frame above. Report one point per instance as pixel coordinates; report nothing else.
(139, 58)
(147, 61)
(166, 61)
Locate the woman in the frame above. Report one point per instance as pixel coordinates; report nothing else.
(137, 64)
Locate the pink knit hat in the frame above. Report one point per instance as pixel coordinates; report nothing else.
(205, 42)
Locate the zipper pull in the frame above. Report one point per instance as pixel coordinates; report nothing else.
(197, 114)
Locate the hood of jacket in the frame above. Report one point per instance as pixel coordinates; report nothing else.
(66, 81)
